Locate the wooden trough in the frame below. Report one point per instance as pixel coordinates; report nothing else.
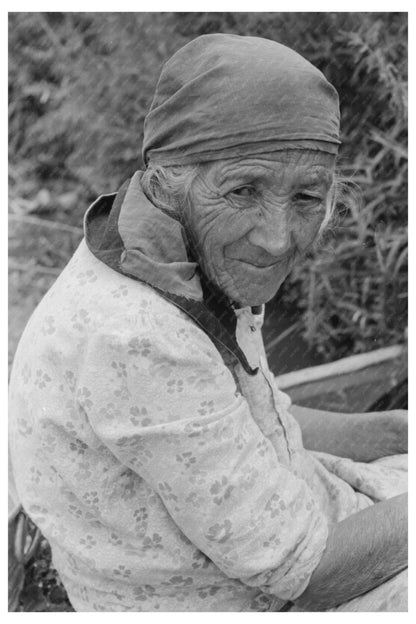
(352, 384)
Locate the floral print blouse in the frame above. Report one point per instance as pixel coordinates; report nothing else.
(163, 480)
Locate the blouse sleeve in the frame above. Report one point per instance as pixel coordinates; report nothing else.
(162, 400)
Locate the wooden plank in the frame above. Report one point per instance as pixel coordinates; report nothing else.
(345, 366)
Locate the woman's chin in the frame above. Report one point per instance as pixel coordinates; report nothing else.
(252, 297)
(249, 289)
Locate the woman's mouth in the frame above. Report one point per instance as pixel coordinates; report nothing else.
(263, 263)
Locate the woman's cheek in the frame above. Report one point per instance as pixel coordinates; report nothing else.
(212, 263)
(306, 232)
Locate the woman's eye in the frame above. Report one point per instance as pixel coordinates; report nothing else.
(305, 198)
(243, 191)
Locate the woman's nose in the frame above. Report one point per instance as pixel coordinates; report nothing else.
(273, 233)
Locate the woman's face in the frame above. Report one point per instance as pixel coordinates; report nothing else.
(250, 218)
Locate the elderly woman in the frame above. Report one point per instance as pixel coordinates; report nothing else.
(149, 440)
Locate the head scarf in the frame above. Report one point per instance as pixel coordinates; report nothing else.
(222, 96)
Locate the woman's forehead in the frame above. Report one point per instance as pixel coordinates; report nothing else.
(309, 165)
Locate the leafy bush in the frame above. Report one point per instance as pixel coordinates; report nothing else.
(354, 297)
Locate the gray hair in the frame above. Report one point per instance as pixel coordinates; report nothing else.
(168, 187)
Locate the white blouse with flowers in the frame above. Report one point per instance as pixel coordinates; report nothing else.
(162, 481)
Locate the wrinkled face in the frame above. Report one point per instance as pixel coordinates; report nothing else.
(250, 219)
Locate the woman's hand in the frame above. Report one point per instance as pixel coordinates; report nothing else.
(390, 431)
(378, 434)
(362, 437)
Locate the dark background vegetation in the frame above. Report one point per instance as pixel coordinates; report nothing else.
(80, 85)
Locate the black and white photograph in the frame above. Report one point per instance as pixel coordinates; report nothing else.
(208, 290)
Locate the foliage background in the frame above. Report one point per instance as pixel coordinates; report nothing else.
(79, 88)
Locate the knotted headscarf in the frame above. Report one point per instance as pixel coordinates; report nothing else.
(222, 96)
